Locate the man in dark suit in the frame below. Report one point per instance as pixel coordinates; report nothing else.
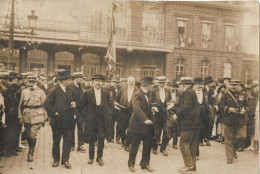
(59, 107)
(124, 105)
(203, 109)
(159, 98)
(140, 125)
(115, 89)
(208, 125)
(96, 101)
(76, 89)
(190, 124)
(44, 85)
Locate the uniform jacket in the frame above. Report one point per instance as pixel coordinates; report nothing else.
(141, 112)
(232, 119)
(60, 102)
(30, 106)
(188, 114)
(94, 121)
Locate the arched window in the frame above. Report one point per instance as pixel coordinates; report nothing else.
(204, 68)
(180, 68)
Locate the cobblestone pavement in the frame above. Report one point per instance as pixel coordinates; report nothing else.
(212, 160)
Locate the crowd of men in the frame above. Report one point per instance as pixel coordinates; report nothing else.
(152, 111)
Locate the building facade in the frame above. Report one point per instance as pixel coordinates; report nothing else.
(152, 38)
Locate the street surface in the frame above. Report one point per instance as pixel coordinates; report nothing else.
(212, 160)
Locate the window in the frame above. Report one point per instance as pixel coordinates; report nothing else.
(182, 32)
(120, 71)
(37, 69)
(123, 19)
(180, 68)
(204, 68)
(90, 70)
(227, 70)
(247, 76)
(148, 71)
(206, 34)
(230, 36)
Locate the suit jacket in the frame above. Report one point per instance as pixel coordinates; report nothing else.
(141, 112)
(210, 96)
(60, 102)
(42, 87)
(122, 98)
(188, 114)
(76, 95)
(155, 97)
(96, 121)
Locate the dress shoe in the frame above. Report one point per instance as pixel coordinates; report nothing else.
(207, 142)
(217, 140)
(147, 168)
(118, 142)
(201, 144)
(230, 161)
(175, 146)
(155, 152)
(100, 161)
(164, 153)
(126, 148)
(132, 169)
(235, 155)
(249, 148)
(67, 165)
(22, 146)
(90, 161)
(30, 157)
(240, 149)
(186, 169)
(81, 149)
(72, 148)
(55, 164)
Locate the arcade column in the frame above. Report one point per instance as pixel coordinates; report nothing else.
(23, 57)
(51, 64)
(77, 61)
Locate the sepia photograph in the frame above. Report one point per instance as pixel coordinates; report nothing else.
(129, 86)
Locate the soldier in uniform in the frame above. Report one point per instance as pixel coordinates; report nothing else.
(31, 113)
(234, 108)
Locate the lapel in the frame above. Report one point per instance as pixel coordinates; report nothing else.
(143, 96)
(92, 96)
(62, 93)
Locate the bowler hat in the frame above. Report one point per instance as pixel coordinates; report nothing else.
(197, 80)
(186, 80)
(147, 79)
(63, 75)
(208, 80)
(227, 78)
(115, 78)
(77, 75)
(98, 76)
(173, 83)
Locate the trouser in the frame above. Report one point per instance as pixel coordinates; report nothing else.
(57, 133)
(100, 148)
(161, 127)
(234, 139)
(188, 143)
(147, 145)
(175, 138)
(129, 139)
(115, 120)
(13, 131)
(80, 126)
(123, 123)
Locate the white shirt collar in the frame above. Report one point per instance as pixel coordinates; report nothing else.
(63, 87)
(97, 90)
(145, 91)
(75, 84)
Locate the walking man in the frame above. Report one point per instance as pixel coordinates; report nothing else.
(59, 107)
(140, 125)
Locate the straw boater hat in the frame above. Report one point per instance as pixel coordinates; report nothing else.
(161, 79)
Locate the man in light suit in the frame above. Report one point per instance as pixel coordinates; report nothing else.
(59, 107)
(140, 125)
(96, 101)
(160, 97)
(124, 105)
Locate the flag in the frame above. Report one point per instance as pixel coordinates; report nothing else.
(111, 50)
